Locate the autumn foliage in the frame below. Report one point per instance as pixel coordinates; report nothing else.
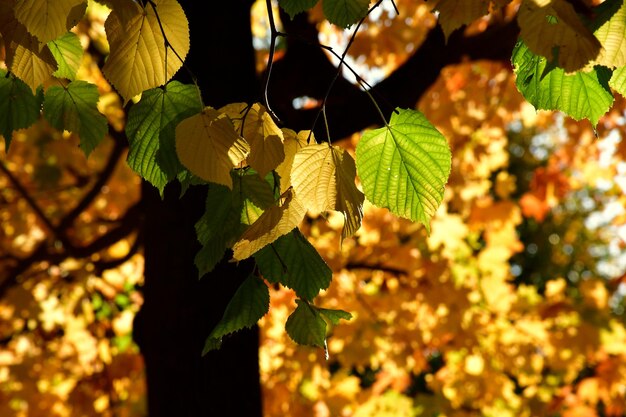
(464, 259)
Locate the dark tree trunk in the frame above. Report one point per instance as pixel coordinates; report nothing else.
(180, 310)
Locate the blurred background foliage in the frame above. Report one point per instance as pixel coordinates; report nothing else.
(512, 306)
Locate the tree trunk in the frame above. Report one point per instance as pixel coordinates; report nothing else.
(179, 310)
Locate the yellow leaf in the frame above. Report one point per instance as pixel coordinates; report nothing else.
(455, 13)
(323, 176)
(549, 24)
(30, 61)
(261, 133)
(138, 57)
(208, 145)
(49, 19)
(611, 36)
(275, 222)
(293, 143)
(124, 9)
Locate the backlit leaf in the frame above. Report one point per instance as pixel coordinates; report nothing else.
(208, 145)
(405, 166)
(335, 315)
(294, 262)
(74, 108)
(580, 95)
(618, 81)
(261, 133)
(306, 326)
(552, 29)
(345, 13)
(275, 222)
(151, 130)
(49, 19)
(19, 107)
(293, 7)
(610, 33)
(292, 144)
(248, 305)
(139, 59)
(323, 177)
(67, 52)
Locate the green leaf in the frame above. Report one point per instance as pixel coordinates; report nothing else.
(19, 107)
(404, 166)
(335, 315)
(74, 108)
(306, 326)
(345, 13)
(294, 262)
(618, 81)
(547, 87)
(151, 131)
(293, 7)
(68, 53)
(248, 305)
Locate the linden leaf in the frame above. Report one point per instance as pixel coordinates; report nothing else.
(261, 133)
(74, 108)
(25, 57)
(334, 315)
(293, 7)
(151, 130)
(611, 32)
(209, 147)
(68, 53)
(275, 222)
(455, 13)
(292, 261)
(580, 95)
(139, 60)
(323, 177)
(345, 13)
(49, 19)
(618, 81)
(292, 144)
(19, 107)
(306, 326)
(250, 302)
(547, 26)
(404, 166)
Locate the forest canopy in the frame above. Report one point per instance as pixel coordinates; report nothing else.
(434, 214)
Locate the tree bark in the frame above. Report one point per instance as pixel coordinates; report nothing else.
(180, 310)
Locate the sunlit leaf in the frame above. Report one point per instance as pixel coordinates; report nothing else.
(151, 130)
(306, 326)
(552, 29)
(345, 13)
(612, 16)
(275, 222)
(580, 95)
(405, 166)
(208, 145)
(19, 107)
(323, 176)
(49, 19)
(261, 133)
(248, 305)
(292, 144)
(67, 52)
(294, 262)
(618, 81)
(74, 108)
(139, 59)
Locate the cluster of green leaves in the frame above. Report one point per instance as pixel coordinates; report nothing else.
(261, 179)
